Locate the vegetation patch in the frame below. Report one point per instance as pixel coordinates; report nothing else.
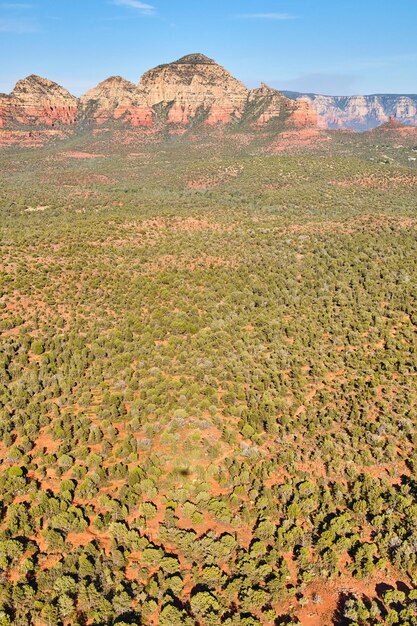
(208, 395)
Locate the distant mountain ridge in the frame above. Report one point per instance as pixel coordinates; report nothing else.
(190, 91)
(360, 113)
(193, 91)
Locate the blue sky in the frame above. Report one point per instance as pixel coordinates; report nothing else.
(334, 47)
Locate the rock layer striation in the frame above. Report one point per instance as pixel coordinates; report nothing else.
(38, 102)
(192, 91)
(360, 112)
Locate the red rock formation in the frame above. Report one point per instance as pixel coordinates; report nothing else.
(267, 104)
(37, 101)
(303, 115)
(303, 138)
(192, 86)
(392, 123)
(4, 106)
(30, 139)
(395, 129)
(195, 86)
(361, 112)
(115, 99)
(191, 91)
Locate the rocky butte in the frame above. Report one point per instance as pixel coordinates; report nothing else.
(115, 99)
(193, 91)
(37, 101)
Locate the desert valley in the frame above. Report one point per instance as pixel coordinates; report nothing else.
(208, 399)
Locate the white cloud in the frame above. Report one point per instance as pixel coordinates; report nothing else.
(266, 16)
(145, 9)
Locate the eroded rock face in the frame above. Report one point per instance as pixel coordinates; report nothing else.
(304, 115)
(197, 88)
(115, 99)
(394, 128)
(405, 109)
(361, 112)
(4, 109)
(37, 101)
(194, 90)
(194, 86)
(267, 105)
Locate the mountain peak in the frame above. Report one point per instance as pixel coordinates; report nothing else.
(266, 90)
(196, 58)
(34, 82)
(38, 101)
(43, 86)
(189, 92)
(193, 86)
(115, 98)
(34, 78)
(111, 84)
(116, 80)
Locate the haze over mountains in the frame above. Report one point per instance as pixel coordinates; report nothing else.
(360, 112)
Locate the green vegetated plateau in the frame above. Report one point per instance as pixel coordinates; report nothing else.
(207, 386)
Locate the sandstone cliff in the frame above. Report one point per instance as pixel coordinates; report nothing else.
(360, 112)
(197, 88)
(38, 102)
(193, 91)
(4, 110)
(192, 85)
(267, 105)
(115, 99)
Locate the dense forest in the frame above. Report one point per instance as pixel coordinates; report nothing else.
(207, 389)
